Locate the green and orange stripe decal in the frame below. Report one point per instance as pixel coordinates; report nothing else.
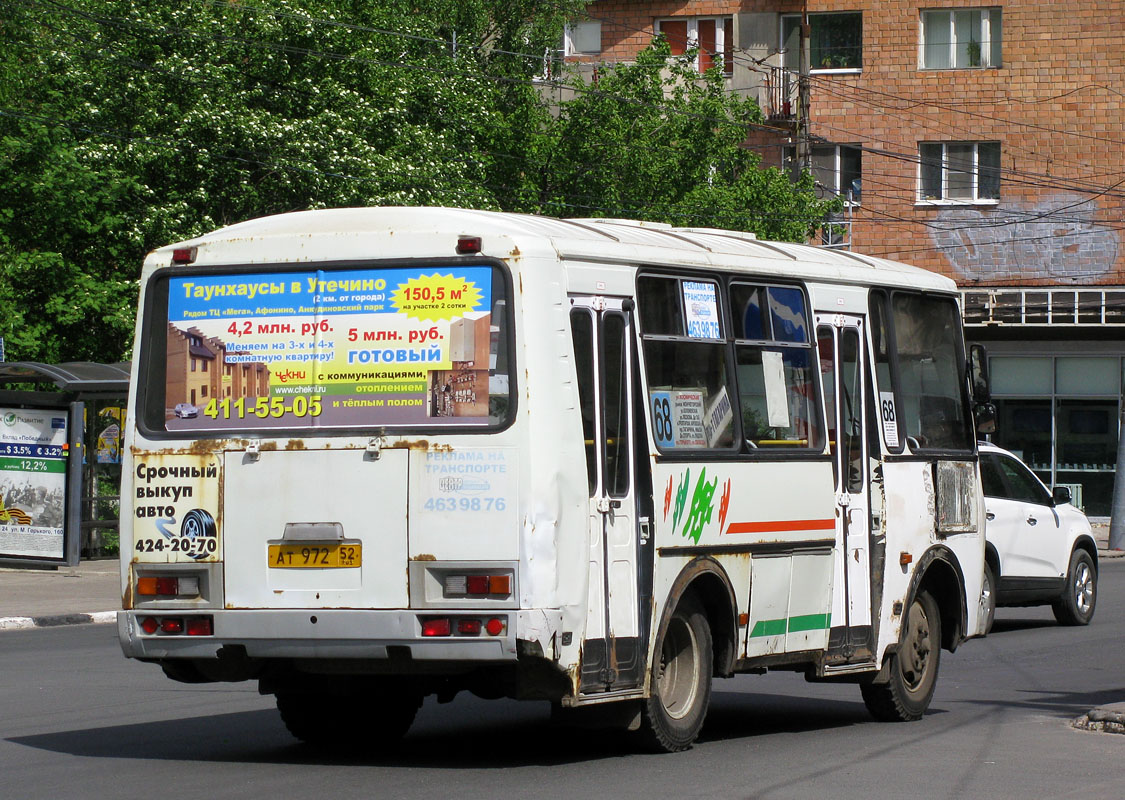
(782, 526)
(780, 627)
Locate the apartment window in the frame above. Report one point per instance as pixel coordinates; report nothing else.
(583, 38)
(835, 41)
(959, 172)
(836, 168)
(711, 37)
(961, 38)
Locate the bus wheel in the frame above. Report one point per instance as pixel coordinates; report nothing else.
(914, 668)
(673, 714)
(352, 723)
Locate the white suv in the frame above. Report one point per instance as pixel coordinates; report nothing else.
(1040, 548)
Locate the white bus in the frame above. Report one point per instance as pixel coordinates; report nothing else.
(380, 454)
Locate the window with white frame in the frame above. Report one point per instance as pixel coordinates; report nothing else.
(582, 38)
(959, 172)
(835, 41)
(960, 38)
(836, 168)
(711, 37)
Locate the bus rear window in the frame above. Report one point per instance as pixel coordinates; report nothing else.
(333, 348)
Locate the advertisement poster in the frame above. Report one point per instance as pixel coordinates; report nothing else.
(32, 482)
(329, 348)
(176, 508)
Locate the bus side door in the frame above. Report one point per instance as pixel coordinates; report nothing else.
(842, 343)
(605, 358)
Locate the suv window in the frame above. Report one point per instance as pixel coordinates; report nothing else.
(1008, 478)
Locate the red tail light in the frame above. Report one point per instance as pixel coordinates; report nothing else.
(200, 626)
(436, 627)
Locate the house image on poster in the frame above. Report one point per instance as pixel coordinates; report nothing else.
(197, 371)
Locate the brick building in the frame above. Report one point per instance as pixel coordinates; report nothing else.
(982, 141)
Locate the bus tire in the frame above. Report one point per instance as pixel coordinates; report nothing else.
(1078, 600)
(672, 716)
(321, 720)
(913, 668)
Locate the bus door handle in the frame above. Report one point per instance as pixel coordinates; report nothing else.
(607, 506)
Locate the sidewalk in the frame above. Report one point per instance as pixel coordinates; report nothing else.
(35, 598)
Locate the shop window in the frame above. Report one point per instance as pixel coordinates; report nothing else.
(1024, 427)
(1086, 450)
(835, 41)
(961, 38)
(1020, 374)
(1087, 375)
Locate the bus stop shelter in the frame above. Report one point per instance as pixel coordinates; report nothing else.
(60, 460)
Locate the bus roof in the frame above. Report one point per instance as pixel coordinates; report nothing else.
(271, 240)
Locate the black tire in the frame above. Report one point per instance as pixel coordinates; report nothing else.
(914, 667)
(1079, 599)
(331, 720)
(197, 523)
(988, 598)
(673, 714)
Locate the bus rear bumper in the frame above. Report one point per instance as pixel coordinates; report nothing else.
(318, 634)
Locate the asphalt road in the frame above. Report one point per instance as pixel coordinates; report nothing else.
(79, 720)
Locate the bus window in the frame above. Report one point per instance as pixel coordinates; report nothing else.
(332, 349)
(927, 335)
(685, 361)
(777, 368)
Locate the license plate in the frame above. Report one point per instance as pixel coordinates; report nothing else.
(311, 555)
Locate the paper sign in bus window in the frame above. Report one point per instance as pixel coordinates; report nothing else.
(701, 310)
(889, 419)
(777, 400)
(677, 417)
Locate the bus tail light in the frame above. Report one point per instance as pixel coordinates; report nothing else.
(200, 626)
(466, 245)
(168, 586)
(436, 627)
(478, 585)
(178, 626)
(463, 626)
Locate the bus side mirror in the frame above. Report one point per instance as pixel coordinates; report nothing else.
(978, 374)
(985, 415)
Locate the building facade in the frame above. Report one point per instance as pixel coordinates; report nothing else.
(982, 141)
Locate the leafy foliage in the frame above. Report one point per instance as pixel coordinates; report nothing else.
(125, 125)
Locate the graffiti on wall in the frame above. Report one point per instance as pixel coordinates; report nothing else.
(1058, 236)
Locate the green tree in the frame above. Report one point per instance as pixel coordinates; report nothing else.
(657, 140)
(125, 125)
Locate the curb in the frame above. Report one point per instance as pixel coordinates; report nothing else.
(23, 623)
(1101, 720)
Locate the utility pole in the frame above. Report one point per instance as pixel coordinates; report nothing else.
(804, 151)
